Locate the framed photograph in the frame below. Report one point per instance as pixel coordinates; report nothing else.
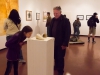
(37, 16)
(44, 16)
(81, 17)
(28, 15)
(88, 16)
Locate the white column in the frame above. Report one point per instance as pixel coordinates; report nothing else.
(40, 56)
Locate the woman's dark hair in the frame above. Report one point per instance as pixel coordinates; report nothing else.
(14, 16)
(27, 29)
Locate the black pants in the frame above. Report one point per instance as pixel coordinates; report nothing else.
(11, 64)
(48, 28)
(59, 59)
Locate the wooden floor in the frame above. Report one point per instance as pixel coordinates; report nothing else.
(79, 59)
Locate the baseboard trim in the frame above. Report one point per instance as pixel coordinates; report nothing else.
(3, 49)
(86, 35)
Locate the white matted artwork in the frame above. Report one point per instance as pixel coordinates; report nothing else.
(28, 15)
(44, 16)
(88, 16)
(81, 17)
(37, 16)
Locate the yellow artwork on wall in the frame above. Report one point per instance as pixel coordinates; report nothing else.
(44, 16)
(5, 7)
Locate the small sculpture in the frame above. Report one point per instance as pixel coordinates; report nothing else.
(41, 37)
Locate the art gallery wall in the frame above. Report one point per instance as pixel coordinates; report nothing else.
(79, 7)
(36, 6)
(69, 7)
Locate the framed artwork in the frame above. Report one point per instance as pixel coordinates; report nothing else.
(37, 16)
(44, 16)
(81, 17)
(88, 16)
(28, 15)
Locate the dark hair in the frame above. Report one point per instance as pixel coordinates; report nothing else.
(48, 13)
(14, 16)
(95, 14)
(27, 29)
(78, 19)
(57, 8)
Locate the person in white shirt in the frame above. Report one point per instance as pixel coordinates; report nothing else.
(12, 25)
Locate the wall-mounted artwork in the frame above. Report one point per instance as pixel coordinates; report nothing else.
(81, 17)
(37, 16)
(5, 7)
(28, 15)
(44, 16)
(88, 16)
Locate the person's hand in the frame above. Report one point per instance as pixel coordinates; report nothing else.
(63, 47)
(96, 16)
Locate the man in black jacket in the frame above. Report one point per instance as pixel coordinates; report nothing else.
(92, 26)
(60, 29)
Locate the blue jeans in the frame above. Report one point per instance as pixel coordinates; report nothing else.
(21, 55)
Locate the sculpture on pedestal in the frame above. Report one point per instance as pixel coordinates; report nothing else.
(41, 36)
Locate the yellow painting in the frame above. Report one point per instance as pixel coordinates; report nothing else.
(44, 16)
(5, 7)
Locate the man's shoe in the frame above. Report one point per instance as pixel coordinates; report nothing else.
(93, 41)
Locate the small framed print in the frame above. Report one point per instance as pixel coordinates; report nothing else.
(28, 15)
(81, 17)
(37, 16)
(44, 16)
(88, 16)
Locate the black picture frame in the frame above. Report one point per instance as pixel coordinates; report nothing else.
(81, 17)
(88, 16)
(37, 16)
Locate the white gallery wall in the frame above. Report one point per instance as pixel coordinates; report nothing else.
(69, 7)
(79, 7)
(36, 6)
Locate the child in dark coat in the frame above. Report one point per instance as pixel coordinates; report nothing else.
(14, 46)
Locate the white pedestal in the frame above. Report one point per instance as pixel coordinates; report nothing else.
(40, 56)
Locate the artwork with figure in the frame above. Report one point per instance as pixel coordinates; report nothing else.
(44, 16)
(5, 7)
(28, 15)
